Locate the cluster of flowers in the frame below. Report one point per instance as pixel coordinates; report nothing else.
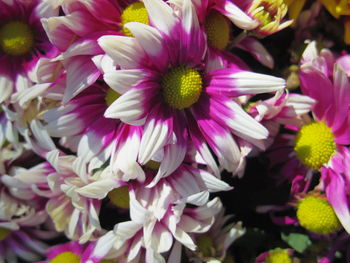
(118, 117)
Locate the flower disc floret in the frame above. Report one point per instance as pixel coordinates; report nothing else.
(317, 215)
(135, 12)
(16, 38)
(278, 256)
(217, 29)
(111, 96)
(120, 197)
(315, 145)
(182, 87)
(4, 233)
(66, 257)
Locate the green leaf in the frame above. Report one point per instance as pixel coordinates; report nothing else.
(297, 241)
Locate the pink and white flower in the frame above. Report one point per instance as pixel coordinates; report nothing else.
(22, 43)
(167, 84)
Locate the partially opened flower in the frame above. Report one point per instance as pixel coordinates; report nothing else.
(168, 83)
(22, 42)
(268, 13)
(215, 17)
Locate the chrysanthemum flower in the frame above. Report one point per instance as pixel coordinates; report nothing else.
(168, 84)
(215, 17)
(83, 128)
(70, 212)
(140, 238)
(21, 234)
(269, 14)
(22, 42)
(320, 144)
(71, 252)
(213, 245)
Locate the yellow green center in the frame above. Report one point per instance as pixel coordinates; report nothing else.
(120, 197)
(135, 12)
(66, 257)
(16, 38)
(278, 255)
(153, 165)
(205, 245)
(111, 96)
(315, 144)
(182, 87)
(4, 233)
(317, 215)
(217, 29)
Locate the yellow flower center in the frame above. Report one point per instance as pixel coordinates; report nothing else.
(315, 144)
(4, 233)
(317, 215)
(278, 256)
(153, 165)
(120, 197)
(135, 12)
(269, 13)
(182, 87)
(111, 96)
(205, 245)
(16, 38)
(66, 257)
(217, 29)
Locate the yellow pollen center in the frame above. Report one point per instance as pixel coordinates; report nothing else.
(317, 215)
(16, 38)
(120, 197)
(135, 12)
(278, 256)
(111, 96)
(315, 144)
(66, 257)
(217, 29)
(4, 233)
(205, 245)
(182, 87)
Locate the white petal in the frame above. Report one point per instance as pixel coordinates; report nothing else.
(128, 107)
(155, 136)
(253, 83)
(81, 73)
(161, 15)
(125, 51)
(122, 80)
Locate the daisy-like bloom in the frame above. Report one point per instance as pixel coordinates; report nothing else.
(213, 245)
(150, 235)
(72, 252)
(215, 17)
(169, 84)
(320, 144)
(20, 227)
(70, 212)
(76, 32)
(83, 128)
(22, 42)
(269, 14)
